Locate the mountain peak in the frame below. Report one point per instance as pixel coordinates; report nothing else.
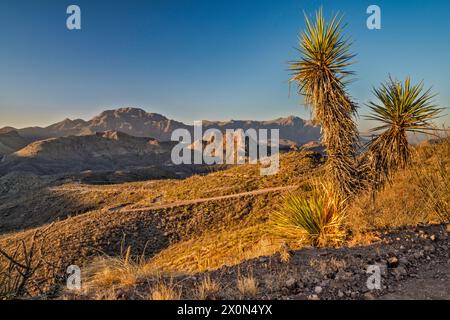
(130, 112)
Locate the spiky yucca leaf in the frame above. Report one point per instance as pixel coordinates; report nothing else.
(402, 107)
(317, 220)
(321, 75)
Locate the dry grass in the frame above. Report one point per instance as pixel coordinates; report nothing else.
(110, 272)
(207, 289)
(434, 187)
(417, 195)
(214, 250)
(285, 255)
(328, 266)
(247, 286)
(209, 252)
(165, 291)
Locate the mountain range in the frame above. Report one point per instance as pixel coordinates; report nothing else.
(118, 139)
(139, 123)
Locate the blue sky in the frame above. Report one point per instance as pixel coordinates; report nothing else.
(199, 59)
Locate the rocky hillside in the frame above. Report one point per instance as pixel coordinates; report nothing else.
(292, 129)
(10, 141)
(109, 150)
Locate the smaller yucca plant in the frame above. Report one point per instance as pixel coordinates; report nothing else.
(316, 220)
(401, 108)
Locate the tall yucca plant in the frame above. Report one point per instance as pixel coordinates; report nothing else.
(402, 107)
(321, 75)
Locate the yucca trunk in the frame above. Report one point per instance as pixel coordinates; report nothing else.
(340, 137)
(387, 153)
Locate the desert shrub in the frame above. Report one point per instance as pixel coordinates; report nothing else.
(317, 219)
(18, 267)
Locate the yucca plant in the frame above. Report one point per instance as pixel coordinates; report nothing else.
(321, 76)
(402, 107)
(316, 220)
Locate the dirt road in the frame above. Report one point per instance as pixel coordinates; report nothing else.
(202, 200)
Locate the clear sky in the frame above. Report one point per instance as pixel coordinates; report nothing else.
(199, 59)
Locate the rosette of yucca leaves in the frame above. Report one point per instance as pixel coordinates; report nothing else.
(321, 75)
(316, 219)
(402, 107)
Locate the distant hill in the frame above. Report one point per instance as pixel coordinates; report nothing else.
(109, 150)
(10, 141)
(139, 123)
(292, 129)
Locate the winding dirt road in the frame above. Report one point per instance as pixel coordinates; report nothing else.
(202, 200)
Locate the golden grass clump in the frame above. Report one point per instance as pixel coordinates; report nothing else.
(285, 255)
(247, 286)
(207, 289)
(165, 291)
(316, 220)
(108, 272)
